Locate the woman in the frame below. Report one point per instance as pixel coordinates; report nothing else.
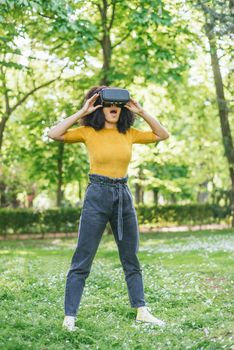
(107, 133)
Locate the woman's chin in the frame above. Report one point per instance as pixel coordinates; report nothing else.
(113, 117)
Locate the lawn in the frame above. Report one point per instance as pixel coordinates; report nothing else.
(188, 280)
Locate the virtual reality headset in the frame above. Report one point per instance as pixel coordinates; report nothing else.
(110, 96)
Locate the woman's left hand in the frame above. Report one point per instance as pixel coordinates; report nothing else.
(134, 106)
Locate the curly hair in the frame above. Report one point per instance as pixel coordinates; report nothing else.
(96, 119)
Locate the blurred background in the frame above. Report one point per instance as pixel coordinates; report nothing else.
(175, 58)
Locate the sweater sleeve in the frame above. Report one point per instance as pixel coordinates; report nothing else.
(74, 135)
(139, 136)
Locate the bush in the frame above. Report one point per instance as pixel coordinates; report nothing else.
(18, 221)
(192, 214)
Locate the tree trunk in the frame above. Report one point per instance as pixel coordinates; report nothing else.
(2, 128)
(139, 191)
(106, 42)
(223, 110)
(156, 193)
(3, 201)
(203, 194)
(106, 49)
(173, 198)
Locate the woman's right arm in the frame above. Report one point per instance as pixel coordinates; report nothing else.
(57, 132)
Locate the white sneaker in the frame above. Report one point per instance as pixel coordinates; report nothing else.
(69, 323)
(143, 315)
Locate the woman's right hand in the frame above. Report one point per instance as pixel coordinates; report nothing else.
(89, 105)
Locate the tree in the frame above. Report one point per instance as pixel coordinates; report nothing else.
(218, 24)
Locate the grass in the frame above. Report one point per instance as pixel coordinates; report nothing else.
(188, 280)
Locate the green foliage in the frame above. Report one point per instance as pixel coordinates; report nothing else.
(32, 221)
(23, 221)
(157, 52)
(193, 214)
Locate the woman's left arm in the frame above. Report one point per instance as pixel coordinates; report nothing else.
(156, 127)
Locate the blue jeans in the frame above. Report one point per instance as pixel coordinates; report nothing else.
(106, 199)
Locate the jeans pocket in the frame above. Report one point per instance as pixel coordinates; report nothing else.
(93, 195)
(86, 193)
(130, 194)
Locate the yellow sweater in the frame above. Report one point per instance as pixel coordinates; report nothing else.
(109, 150)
